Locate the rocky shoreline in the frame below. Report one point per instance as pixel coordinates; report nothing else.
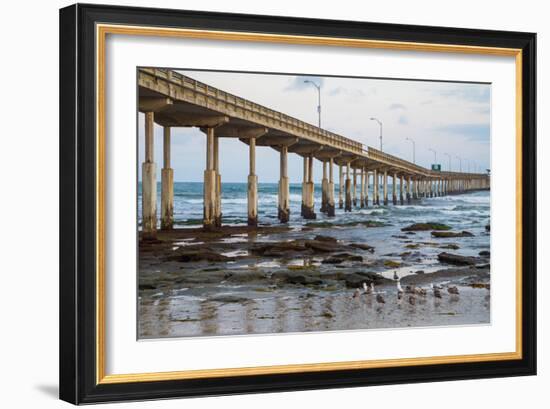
(236, 267)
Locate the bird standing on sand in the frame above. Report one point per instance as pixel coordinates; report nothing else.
(409, 289)
(380, 299)
(395, 276)
(399, 290)
(436, 290)
(453, 290)
(412, 300)
(356, 293)
(368, 289)
(420, 291)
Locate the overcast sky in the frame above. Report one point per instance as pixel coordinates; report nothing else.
(449, 118)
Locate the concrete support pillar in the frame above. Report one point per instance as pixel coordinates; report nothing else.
(210, 183)
(284, 188)
(354, 190)
(218, 219)
(252, 185)
(394, 189)
(367, 188)
(304, 184)
(361, 187)
(149, 183)
(324, 189)
(167, 185)
(308, 211)
(385, 182)
(348, 188)
(401, 199)
(330, 204)
(415, 189)
(375, 190)
(341, 188)
(409, 190)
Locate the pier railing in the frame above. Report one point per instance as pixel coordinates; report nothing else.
(179, 86)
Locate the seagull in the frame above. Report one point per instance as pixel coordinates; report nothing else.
(380, 299)
(453, 290)
(420, 291)
(412, 300)
(436, 290)
(369, 289)
(399, 290)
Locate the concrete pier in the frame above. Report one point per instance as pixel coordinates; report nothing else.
(167, 185)
(252, 185)
(348, 188)
(284, 188)
(149, 182)
(171, 99)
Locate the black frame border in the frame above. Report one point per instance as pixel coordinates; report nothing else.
(78, 197)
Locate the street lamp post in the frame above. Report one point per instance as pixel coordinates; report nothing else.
(379, 123)
(414, 148)
(449, 156)
(460, 159)
(435, 155)
(319, 100)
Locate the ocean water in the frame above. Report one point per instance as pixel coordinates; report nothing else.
(465, 211)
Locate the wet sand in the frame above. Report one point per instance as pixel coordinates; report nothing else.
(275, 279)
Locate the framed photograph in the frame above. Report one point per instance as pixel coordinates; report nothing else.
(257, 203)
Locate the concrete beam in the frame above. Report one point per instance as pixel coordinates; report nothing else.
(154, 104)
(228, 131)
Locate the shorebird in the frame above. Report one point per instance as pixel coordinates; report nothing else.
(356, 293)
(395, 276)
(436, 290)
(368, 289)
(420, 291)
(412, 300)
(380, 299)
(409, 289)
(399, 290)
(453, 290)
